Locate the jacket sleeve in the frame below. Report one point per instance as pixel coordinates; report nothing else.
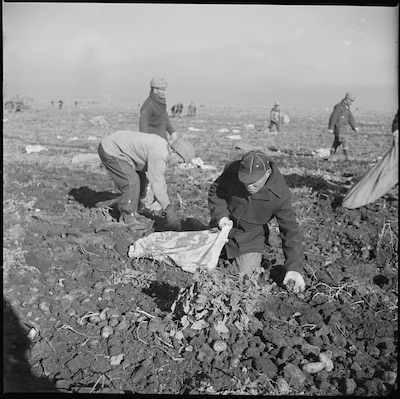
(352, 121)
(334, 117)
(217, 199)
(169, 128)
(156, 168)
(290, 235)
(144, 120)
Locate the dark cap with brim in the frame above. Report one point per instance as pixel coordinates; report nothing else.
(253, 167)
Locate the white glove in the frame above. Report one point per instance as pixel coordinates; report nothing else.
(356, 129)
(224, 221)
(330, 130)
(294, 282)
(172, 137)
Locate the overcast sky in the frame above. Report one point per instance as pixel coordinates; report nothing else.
(215, 55)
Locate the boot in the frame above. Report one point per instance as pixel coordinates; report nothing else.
(129, 219)
(346, 154)
(331, 154)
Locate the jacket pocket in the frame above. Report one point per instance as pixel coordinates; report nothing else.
(250, 239)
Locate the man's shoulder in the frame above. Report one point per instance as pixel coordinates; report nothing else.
(232, 167)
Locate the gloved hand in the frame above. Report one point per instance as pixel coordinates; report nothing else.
(294, 282)
(330, 131)
(356, 129)
(224, 221)
(172, 220)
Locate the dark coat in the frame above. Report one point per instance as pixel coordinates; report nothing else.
(154, 117)
(251, 213)
(340, 118)
(395, 123)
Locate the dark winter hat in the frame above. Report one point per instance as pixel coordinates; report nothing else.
(184, 149)
(253, 166)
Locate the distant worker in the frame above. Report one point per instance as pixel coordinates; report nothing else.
(180, 109)
(339, 122)
(275, 118)
(153, 113)
(192, 109)
(52, 103)
(60, 104)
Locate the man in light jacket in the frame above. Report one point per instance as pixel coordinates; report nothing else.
(125, 154)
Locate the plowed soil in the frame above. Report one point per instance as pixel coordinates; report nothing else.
(67, 274)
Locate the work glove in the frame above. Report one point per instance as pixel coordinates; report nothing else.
(224, 221)
(172, 220)
(294, 282)
(356, 129)
(330, 131)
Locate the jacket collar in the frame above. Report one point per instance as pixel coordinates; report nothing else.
(273, 184)
(344, 103)
(156, 98)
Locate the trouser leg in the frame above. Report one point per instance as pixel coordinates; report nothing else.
(126, 180)
(336, 143)
(346, 148)
(249, 262)
(143, 183)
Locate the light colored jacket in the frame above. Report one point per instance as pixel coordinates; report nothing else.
(144, 152)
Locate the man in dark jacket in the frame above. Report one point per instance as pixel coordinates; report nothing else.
(339, 121)
(248, 194)
(275, 118)
(154, 115)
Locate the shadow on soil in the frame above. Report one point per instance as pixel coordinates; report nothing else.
(89, 198)
(163, 294)
(314, 183)
(17, 374)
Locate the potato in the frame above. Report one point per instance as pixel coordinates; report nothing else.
(95, 319)
(283, 386)
(220, 346)
(324, 358)
(312, 368)
(106, 331)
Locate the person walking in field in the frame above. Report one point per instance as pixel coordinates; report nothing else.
(275, 118)
(153, 113)
(125, 154)
(192, 109)
(339, 122)
(247, 195)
